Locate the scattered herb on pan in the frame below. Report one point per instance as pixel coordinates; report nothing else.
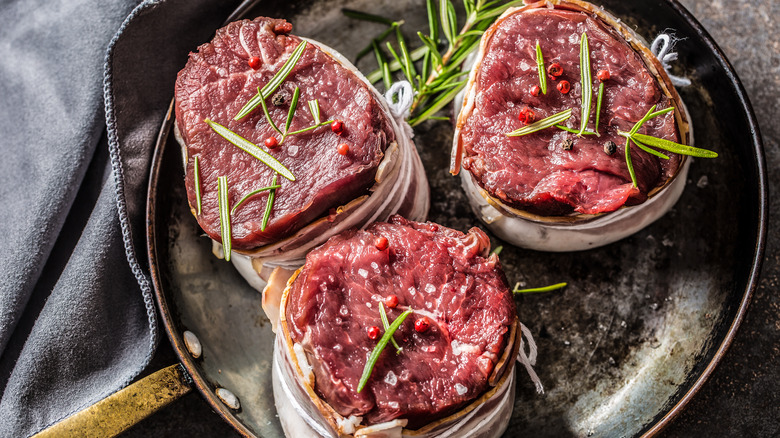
(269, 205)
(250, 148)
(549, 288)
(440, 76)
(585, 79)
(196, 175)
(545, 123)
(386, 325)
(273, 84)
(380, 346)
(540, 67)
(224, 216)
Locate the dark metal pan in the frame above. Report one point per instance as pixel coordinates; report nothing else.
(623, 348)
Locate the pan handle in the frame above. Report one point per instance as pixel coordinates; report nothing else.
(121, 410)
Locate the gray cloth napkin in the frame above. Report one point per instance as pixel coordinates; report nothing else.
(83, 90)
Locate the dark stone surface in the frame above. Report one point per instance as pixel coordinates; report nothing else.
(742, 397)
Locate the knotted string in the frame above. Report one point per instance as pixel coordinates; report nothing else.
(662, 49)
(399, 98)
(529, 360)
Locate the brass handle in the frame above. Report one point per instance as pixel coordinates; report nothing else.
(121, 410)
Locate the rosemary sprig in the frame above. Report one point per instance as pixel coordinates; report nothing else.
(274, 83)
(540, 67)
(406, 56)
(541, 124)
(552, 287)
(196, 174)
(380, 346)
(598, 106)
(585, 79)
(438, 80)
(269, 204)
(498, 250)
(250, 194)
(252, 149)
(386, 325)
(224, 216)
(644, 141)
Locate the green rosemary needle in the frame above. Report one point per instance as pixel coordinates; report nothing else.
(380, 346)
(365, 16)
(224, 216)
(540, 67)
(274, 83)
(250, 194)
(291, 112)
(314, 108)
(541, 124)
(585, 80)
(327, 122)
(552, 287)
(598, 107)
(196, 174)
(386, 325)
(629, 163)
(252, 149)
(269, 205)
(649, 150)
(673, 147)
(268, 114)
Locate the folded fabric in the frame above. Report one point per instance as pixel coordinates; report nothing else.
(77, 316)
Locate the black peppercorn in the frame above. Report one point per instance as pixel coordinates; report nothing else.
(279, 98)
(567, 144)
(610, 147)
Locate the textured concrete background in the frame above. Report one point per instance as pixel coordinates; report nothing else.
(742, 397)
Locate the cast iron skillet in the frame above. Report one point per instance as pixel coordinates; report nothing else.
(623, 348)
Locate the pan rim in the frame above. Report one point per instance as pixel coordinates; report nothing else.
(737, 88)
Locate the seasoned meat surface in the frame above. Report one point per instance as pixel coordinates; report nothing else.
(443, 275)
(216, 83)
(535, 172)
